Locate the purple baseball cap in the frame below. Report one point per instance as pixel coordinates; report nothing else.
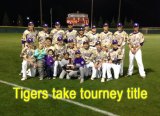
(30, 24)
(119, 25)
(77, 52)
(45, 25)
(93, 27)
(114, 41)
(57, 23)
(135, 25)
(105, 25)
(60, 38)
(70, 40)
(29, 40)
(98, 43)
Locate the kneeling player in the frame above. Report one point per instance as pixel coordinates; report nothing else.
(115, 57)
(28, 60)
(78, 66)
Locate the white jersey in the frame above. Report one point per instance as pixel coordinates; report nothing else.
(80, 40)
(71, 35)
(106, 38)
(55, 34)
(121, 37)
(29, 34)
(87, 54)
(135, 39)
(93, 37)
(42, 35)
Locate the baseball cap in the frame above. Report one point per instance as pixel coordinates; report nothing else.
(60, 38)
(30, 23)
(70, 40)
(85, 42)
(81, 29)
(93, 27)
(135, 25)
(29, 40)
(98, 43)
(45, 25)
(77, 52)
(105, 24)
(57, 23)
(119, 25)
(114, 41)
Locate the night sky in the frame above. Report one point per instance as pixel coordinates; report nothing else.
(146, 12)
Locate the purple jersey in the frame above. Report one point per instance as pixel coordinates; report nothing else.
(49, 60)
(79, 62)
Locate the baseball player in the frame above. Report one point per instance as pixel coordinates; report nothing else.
(49, 63)
(78, 66)
(42, 35)
(121, 36)
(56, 32)
(106, 36)
(64, 64)
(97, 60)
(114, 59)
(87, 30)
(39, 54)
(71, 48)
(28, 60)
(29, 33)
(88, 53)
(48, 44)
(81, 38)
(70, 33)
(135, 41)
(59, 50)
(93, 36)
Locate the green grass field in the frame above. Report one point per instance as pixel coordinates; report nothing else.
(10, 66)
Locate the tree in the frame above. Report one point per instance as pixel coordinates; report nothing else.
(131, 23)
(113, 23)
(5, 21)
(19, 20)
(100, 22)
(126, 23)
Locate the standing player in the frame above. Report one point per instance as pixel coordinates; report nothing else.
(42, 35)
(87, 30)
(121, 36)
(70, 33)
(81, 38)
(29, 33)
(135, 41)
(56, 32)
(106, 36)
(93, 36)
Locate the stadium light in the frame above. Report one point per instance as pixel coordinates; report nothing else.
(92, 13)
(41, 12)
(119, 11)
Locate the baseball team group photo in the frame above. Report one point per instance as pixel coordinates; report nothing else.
(79, 58)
